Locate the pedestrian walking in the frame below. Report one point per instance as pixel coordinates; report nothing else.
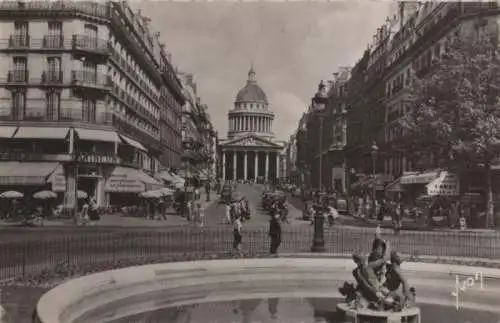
(84, 214)
(200, 213)
(237, 227)
(227, 219)
(275, 235)
(333, 215)
(93, 212)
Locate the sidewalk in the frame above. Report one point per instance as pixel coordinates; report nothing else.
(118, 220)
(408, 225)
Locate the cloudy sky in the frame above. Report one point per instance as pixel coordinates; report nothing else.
(293, 46)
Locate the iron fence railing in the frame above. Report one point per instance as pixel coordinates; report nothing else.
(19, 259)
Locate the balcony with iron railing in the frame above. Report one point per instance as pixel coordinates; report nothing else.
(33, 156)
(72, 8)
(97, 158)
(52, 77)
(43, 113)
(17, 76)
(134, 76)
(19, 41)
(53, 42)
(133, 104)
(90, 79)
(91, 44)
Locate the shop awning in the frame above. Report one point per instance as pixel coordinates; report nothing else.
(419, 178)
(42, 133)
(133, 143)
(394, 187)
(25, 173)
(165, 176)
(97, 135)
(130, 180)
(7, 132)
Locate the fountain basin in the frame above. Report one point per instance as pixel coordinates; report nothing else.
(117, 294)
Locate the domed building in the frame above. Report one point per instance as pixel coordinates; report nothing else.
(250, 151)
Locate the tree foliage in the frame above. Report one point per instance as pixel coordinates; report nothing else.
(455, 108)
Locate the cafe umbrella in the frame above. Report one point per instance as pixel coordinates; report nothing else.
(81, 195)
(44, 195)
(11, 195)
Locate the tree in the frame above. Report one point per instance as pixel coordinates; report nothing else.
(454, 109)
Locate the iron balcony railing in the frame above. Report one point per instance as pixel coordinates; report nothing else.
(32, 156)
(97, 158)
(52, 77)
(19, 41)
(90, 78)
(18, 76)
(85, 7)
(92, 44)
(44, 113)
(53, 42)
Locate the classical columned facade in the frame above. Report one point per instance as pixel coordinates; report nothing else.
(242, 163)
(250, 151)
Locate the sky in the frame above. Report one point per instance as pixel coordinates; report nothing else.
(293, 45)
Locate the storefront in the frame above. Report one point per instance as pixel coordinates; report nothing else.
(107, 184)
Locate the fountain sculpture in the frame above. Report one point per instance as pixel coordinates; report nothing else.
(381, 292)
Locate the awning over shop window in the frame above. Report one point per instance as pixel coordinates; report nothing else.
(25, 173)
(130, 180)
(41, 133)
(97, 135)
(419, 178)
(133, 143)
(7, 132)
(165, 176)
(395, 186)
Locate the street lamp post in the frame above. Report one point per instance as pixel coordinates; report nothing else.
(374, 154)
(319, 107)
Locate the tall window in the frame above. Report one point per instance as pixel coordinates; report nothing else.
(89, 110)
(90, 72)
(53, 104)
(18, 104)
(53, 68)
(19, 68)
(21, 32)
(54, 39)
(90, 32)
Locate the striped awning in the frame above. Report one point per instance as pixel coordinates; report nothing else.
(165, 176)
(25, 173)
(133, 143)
(97, 135)
(7, 132)
(42, 133)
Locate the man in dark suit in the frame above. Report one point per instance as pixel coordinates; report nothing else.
(275, 234)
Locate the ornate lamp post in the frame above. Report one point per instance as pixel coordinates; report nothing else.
(374, 154)
(319, 107)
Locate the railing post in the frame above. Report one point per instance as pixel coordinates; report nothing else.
(23, 264)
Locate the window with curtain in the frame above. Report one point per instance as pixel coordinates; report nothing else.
(21, 34)
(19, 68)
(18, 105)
(54, 38)
(89, 110)
(53, 105)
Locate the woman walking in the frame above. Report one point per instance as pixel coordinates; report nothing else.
(237, 226)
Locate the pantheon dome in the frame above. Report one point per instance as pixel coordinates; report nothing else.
(251, 112)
